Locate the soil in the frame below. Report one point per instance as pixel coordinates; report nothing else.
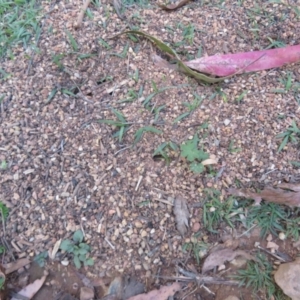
(66, 171)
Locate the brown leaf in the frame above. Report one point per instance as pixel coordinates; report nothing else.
(162, 294)
(14, 266)
(125, 287)
(270, 194)
(86, 293)
(220, 256)
(162, 63)
(31, 289)
(181, 213)
(174, 6)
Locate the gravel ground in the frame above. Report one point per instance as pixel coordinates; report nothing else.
(65, 170)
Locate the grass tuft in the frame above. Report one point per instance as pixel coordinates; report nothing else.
(19, 24)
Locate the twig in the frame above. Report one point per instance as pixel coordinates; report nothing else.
(109, 243)
(246, 231)
(81, 14)
(272, 254)
(202, 280)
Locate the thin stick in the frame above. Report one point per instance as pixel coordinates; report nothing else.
(81, 14)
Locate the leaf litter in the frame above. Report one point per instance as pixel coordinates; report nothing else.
(219, 257)
(182, 214)
(285, 194)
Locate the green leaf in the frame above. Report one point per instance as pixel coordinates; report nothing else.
(82, 251)
(51, 95)
(78, 236)
(119, 115)
(3, 165)
(182, 116)
(77, 262)
(67, 245)
(112, 122)
(72, 41)
(84, 246)
(173, 146)
(89, 262)
(190, 150)
(283, 144)
(138, 135)
(82, 257)
(160, 148)
(197, 167)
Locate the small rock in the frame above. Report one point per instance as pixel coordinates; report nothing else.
(138, 224)
(282, 236)
(232, 298)
(226, 122)
(65, 262)
(144, 233)
(287, 277)
(239, 262)
(196, 227)
(86, 293)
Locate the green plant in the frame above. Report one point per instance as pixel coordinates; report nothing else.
(163, 150)
(19, 24)
(275, 44)
(130, 96)
(198, 248)
(2, 249)
(195, 156)
(241, 96)
(270, 217)
(123, 54)
(189, 33)
(3, 165)
(3, 211)
(258, 276)
(79, 250)
(57, 59)
(139, 133)
(292, 134)
(216, 211)
(121, 123)
(72, 41)
(40, 259)
(287, 82)
(191, 107)
(232, 149)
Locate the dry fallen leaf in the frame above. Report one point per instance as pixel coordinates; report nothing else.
(219, 257)
(243, 62)
(281, 195)
(55, 249)
(162, 294)
(16, 265)
(31, 289)
(181, 213)
(162, 63)
(86, 293)
(174, 6)
(209, 161)
(125, 287)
